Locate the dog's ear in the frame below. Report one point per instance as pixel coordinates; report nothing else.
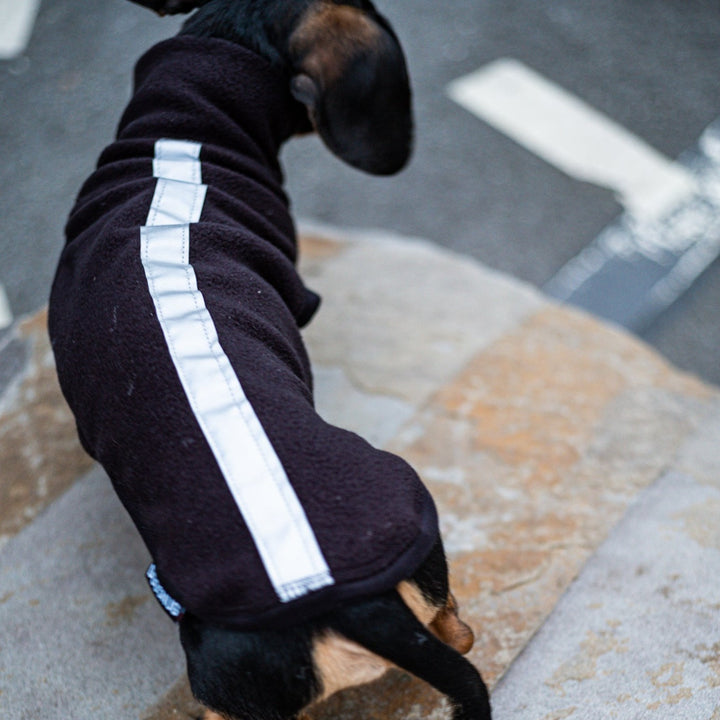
(171, 7)
(350, 72)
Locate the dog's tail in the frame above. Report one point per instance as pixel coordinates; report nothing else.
(386, 626)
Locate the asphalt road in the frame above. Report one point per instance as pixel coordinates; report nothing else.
(651, 66)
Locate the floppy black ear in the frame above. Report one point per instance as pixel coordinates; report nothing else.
(351, 74)
(171, 7)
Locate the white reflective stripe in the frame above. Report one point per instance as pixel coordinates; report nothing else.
(176, 203)
(177, 160)
(254, 474)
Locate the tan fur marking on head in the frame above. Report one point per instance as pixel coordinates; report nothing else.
(328, 36)
(341, 663)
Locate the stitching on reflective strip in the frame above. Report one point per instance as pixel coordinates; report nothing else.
(218, 450)
(177, 160)
(173, 199)
(252, 425)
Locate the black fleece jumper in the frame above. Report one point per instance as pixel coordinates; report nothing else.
(174, 321)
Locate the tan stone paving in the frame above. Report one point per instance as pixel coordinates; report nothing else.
(533, 435)
(533, 453)
(637, 634)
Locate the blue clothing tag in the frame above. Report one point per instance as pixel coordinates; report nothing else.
(172, 607)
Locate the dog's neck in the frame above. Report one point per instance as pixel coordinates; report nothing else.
(206, 91)
(260, 25)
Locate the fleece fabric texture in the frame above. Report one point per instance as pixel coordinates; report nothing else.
(372, 517)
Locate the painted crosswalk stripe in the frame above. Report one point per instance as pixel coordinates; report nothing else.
(669, 232)
(17, 18)
(6, 316)
(572, 136)
(633, 271)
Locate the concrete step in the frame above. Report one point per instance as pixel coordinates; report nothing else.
(535, 427)
(637, 635)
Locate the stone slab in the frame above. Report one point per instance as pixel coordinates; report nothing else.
(638, 634)
(400, 316)
(80, 635)
(533, 452)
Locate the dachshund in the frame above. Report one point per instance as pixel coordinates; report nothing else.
(182, 239)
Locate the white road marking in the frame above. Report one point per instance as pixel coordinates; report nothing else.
(17, 18)
(641, 263)
(572, 136)
(674, 251)
(6, 316)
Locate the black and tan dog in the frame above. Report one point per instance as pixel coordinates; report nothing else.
(297, 559)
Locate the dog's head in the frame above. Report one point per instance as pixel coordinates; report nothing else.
(350, 72)
(344, 62)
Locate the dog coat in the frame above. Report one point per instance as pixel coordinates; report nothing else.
(174, 321)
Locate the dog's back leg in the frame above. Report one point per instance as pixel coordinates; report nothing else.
(387, 627)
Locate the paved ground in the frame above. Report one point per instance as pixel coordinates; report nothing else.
(576, 473)
(637, 634)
